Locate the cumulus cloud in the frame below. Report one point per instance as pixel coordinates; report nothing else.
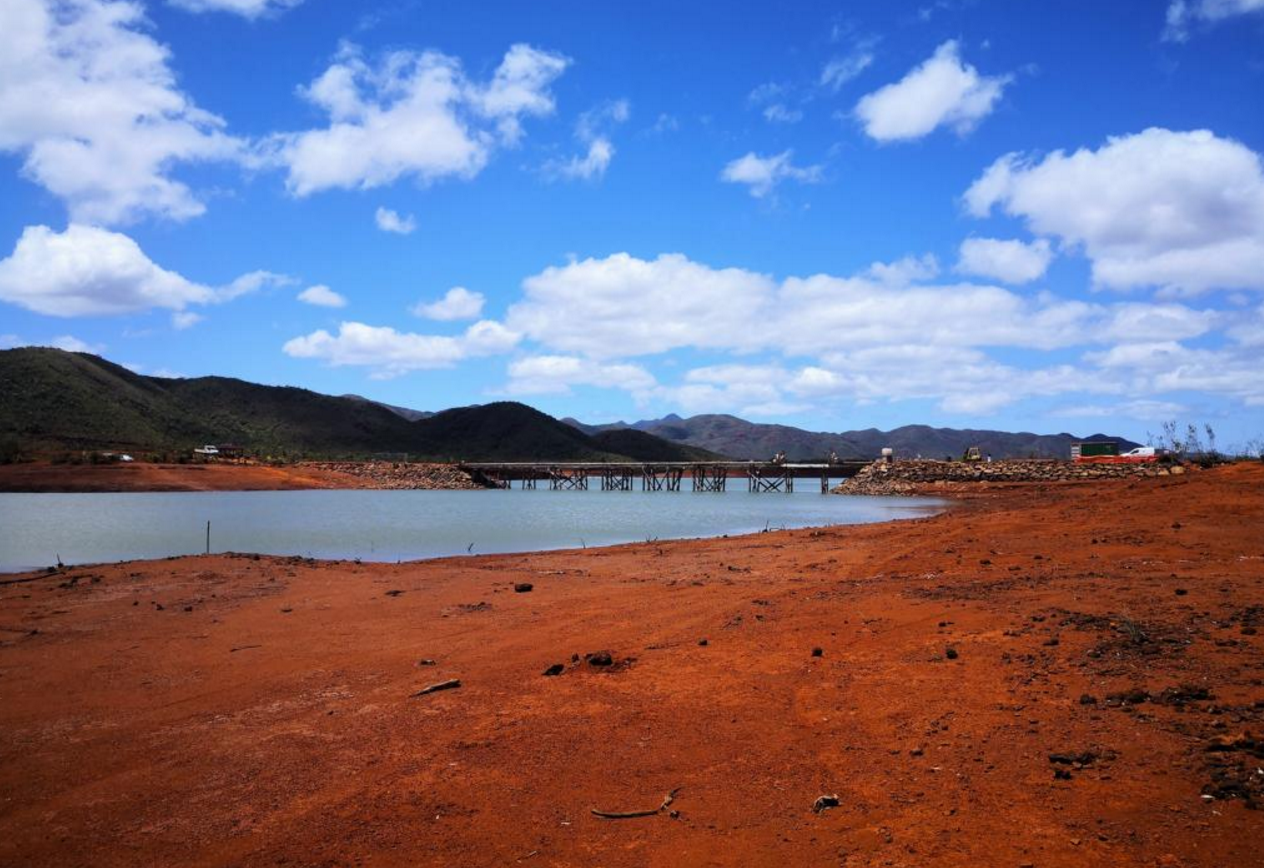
(762, 174)
(942, 91)
(1182, 14)
(245, 8)
(888, 333)
(592, 129)
(391, 353)
(390, 221)
(1183, 211)
(88, 271)
(89, 103)
(457, 303)
(322, 296)
(553, 374)
(1009, 261)
(413, 115)
(625, 306)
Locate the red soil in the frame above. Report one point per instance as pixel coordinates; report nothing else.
(142, 476)
(264, 715)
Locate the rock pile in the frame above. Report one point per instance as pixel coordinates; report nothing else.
(400, 475)
(914, 475)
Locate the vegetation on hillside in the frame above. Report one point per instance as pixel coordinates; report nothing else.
(52, 401)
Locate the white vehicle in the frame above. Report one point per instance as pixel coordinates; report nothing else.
(126, 458)
(1140, 452)
(208, 449)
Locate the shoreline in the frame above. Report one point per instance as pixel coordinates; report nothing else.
(242, 709)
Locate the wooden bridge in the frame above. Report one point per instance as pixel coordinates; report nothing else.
(760, 476)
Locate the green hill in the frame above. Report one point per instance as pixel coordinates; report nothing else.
(53, 400)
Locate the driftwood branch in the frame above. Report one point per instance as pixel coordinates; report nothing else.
(628, 815)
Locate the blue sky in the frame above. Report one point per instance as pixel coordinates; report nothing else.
(1040, 216)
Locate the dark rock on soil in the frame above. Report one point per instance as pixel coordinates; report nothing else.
(599, 658)
(523, 587)
(555, 669)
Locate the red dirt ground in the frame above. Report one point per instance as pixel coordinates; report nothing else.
(142, 476)
(228, 710)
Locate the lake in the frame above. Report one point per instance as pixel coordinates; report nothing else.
(35, 529)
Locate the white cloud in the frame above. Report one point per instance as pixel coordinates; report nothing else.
(902, 272)
(413, 115)
(390, 221)
(1183, 211)
(592, 129)
(87, 271)
(551, 374)
(777, 113)
(251, 282)
(1182, 13)
(772, 99)
(1009, 261)
(245, 8)
(841, 70)
(183, 319)
(1145, 410)
(763, 174)
(942, 91)
(391, 353)
(624, 306)
(88, 101)
(457, 303)
(322, 296)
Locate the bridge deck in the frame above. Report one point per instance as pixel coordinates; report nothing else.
(660, 475)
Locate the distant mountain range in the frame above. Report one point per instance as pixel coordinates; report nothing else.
(738, 438)
(51, 400)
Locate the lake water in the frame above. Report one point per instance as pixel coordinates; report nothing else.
(400, 525)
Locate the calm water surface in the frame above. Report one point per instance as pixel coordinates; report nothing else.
(400, 525)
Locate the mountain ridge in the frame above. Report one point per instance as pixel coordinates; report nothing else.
(745, 440)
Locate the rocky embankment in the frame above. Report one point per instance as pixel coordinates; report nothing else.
(399, 475)
(913, 476)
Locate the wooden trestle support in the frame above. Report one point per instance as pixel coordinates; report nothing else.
(574, 479)
(661, 478)
(708, 477)
(762, 479)
(616, 480)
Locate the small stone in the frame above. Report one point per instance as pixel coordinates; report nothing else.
(1061, 775)
(951, 654)
(425, 661)
(555, 669)
(1088, 699)
(823, 802)
(702, 642)
(1180, 592)
(917, 751)
(818, 652)
(599, 658)
(523, 587)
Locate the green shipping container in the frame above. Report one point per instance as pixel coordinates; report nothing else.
(1095, 449)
